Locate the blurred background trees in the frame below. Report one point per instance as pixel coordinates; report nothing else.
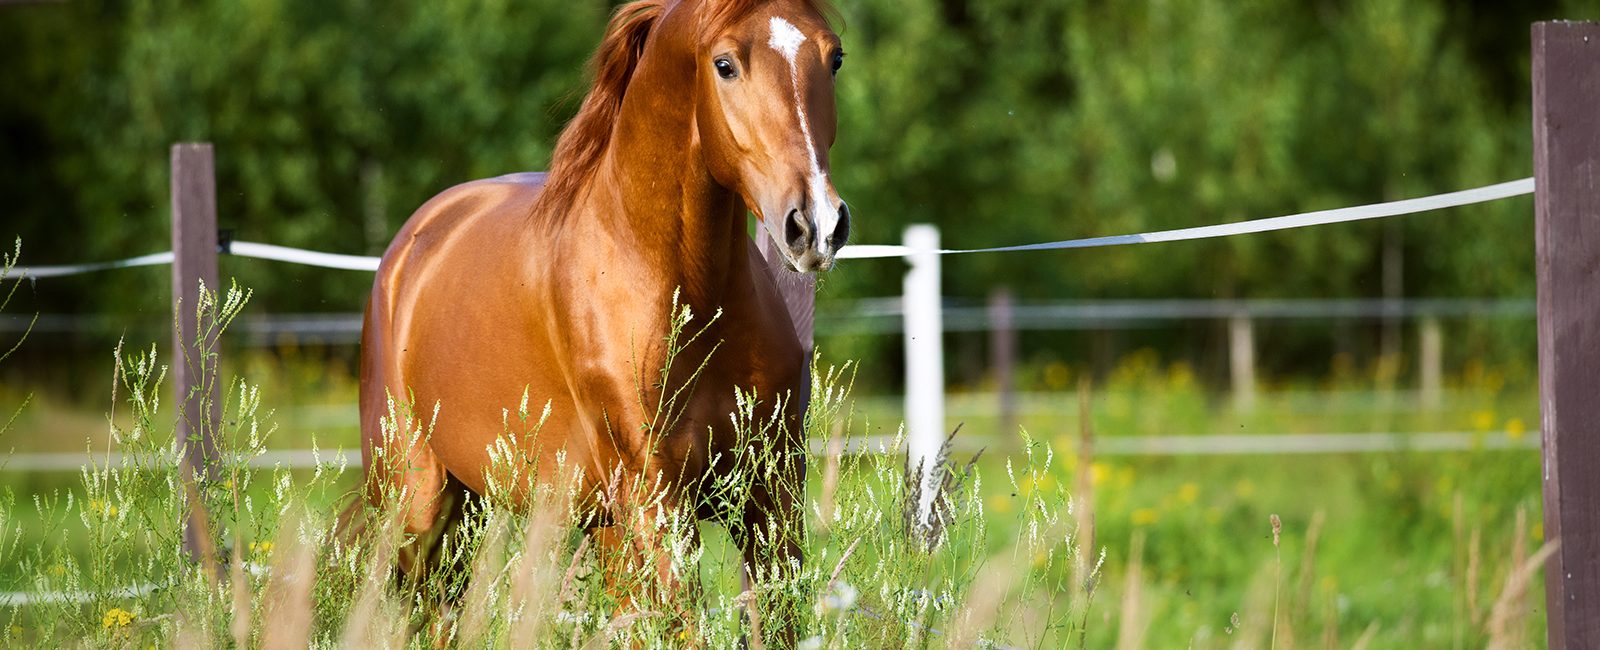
(1002, 121)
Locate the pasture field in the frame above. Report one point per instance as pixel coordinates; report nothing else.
(1392, 549)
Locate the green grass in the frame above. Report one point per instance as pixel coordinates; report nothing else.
(1410, 549)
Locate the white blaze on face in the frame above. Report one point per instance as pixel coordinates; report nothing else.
(786, 39)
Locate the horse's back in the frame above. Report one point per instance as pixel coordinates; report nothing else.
(455, 207)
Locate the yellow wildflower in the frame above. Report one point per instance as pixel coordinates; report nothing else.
(1145, 516)
(117, 617)
(1515, 428)
(1482, 420)
(1472, 374)
(1066, 443)
(1494, 380)
(1056, 375)
(263, 548)
(1188, 492)
(1046, 483)
(1387, 367)
(1180, 375)
(999, 503)
(1098, 472)
(1245, 488)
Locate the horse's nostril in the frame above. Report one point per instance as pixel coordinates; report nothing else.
(796, 231)
(841, 230)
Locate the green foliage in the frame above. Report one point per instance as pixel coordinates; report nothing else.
(1004, 121)
(332, 120)
(1012, 122)
(1416, 547)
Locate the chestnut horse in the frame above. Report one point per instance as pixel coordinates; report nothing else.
(561, 286)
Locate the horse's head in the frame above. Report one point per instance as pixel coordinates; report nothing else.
(767, 119)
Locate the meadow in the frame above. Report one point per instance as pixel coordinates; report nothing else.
(1047, 544)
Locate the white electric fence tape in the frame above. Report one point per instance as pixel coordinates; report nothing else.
(75, 269)
(1322, 217)
(868, 251)
(308, 258)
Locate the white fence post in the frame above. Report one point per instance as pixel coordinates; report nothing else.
(924, 336)
(1003, 356)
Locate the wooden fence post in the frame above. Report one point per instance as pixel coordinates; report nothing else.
(194, 259)
(924, 345)
(1242, 360)
(1566, 165)
(1003, 357)
(1431, 361)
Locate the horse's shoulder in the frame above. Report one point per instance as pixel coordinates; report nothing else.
(472, 211)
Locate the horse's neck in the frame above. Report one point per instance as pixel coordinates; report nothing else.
(660, 199)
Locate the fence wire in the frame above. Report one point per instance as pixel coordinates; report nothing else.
(1483, 194)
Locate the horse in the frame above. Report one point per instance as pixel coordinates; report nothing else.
(564, 285)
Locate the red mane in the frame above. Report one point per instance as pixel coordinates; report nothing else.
(586, 137)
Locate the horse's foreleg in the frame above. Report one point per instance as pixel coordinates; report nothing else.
(647, 554)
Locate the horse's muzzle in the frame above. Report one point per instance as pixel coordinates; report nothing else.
(809, 249)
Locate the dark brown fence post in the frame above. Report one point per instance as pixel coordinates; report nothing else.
(1566, 164)
(1003, 357)
(194, 258)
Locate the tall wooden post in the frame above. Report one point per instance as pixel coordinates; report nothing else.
(194, 258)
(1003, 357)
(1430, 372)
(1566, 165)
(1242, 361)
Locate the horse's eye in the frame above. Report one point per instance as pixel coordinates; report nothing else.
(725, 68)
(838, 61)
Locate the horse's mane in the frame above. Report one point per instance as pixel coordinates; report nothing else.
(584, 140)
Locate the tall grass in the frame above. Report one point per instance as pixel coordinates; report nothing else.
(276, 569)
(1016, 563)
